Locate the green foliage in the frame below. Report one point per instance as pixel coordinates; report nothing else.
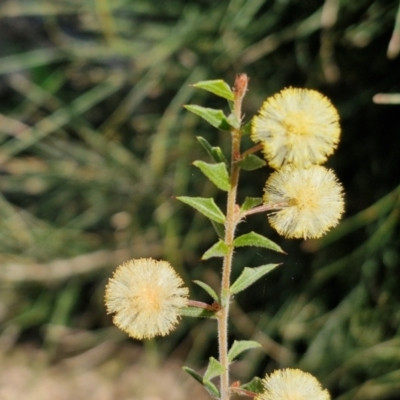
(218, 87)
(216, 173)
(255, 385)
(219, 249)
(249, 276)
(255, 239)
(208, 289)
(196, 312)
(216, 118)
(239, 346)
(209, 386)
(214, 152)
(251, 163)
(205, 206)
(250, 202)
(213, 370)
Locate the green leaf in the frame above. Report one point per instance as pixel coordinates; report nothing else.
(218, 87)
(214, 152)
(246, 128)
(206, 206)
(216, 173)
(211, 389)
(251, 162)
(254, 239)
(249, 276)
(233, 121)
(255, 385)
(208, 289)
(215, 368)
(240, 346)
(197, 312)
(251, 202)
(219, 249)
(193, 374)
(219, 229)
(209, 386)
(214, 117)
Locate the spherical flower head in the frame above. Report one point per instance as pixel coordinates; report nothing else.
(292, 384)
(296, 126)
(146, 296)
(308, 201)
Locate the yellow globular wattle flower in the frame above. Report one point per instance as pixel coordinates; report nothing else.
(308, 201)
(146, 296)
(292, 384)
(298, 127)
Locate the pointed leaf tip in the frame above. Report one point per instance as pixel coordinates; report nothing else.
(255, 239)
(249, 276)
(209, 386)
(214, 152)
(216, 118)
(217, 87)
(216, 173)
(206, 206)
(251, 162)
(219, 249)
(255, 385)
(215, 368)
(239, 346)
(208, 289)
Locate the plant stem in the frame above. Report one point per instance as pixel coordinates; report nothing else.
(230, 227)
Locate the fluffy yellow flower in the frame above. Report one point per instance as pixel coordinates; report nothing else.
(296, 126)
(146, 296)
(292, 384)
(309, 201)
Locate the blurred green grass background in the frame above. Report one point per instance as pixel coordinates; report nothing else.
(95, 144)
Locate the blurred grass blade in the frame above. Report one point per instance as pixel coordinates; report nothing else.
(60, 117)
(30, 59)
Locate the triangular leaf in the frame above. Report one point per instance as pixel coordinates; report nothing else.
(219, 249)
(251, 162)
(216, 118)
(249, 276)
(215, 368)
(254, 239)
(251, 202)
(218, 87)
(197, 312)
(206, 206)
(255, 385)
(208, 289)
(240, 346)
(216, 173)
(214, 152)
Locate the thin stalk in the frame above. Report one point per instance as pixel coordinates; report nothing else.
(230, 227)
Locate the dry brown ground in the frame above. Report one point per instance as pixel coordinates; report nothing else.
(25, 374)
